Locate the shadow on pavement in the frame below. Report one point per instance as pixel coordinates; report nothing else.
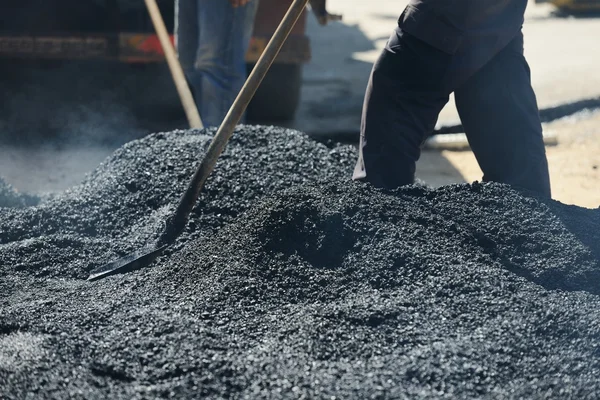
(564, 14)
(548, 114)
(576, 14)
(335, 80)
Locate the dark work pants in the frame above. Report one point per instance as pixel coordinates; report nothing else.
(411, 83)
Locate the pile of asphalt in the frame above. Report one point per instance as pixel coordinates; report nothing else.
(124, 203)
(298, 284)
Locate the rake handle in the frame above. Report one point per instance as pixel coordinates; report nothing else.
(185, 95)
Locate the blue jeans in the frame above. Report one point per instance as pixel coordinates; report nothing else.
(212, 39)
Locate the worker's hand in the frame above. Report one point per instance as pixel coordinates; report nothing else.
(239, 3)
(319, 8)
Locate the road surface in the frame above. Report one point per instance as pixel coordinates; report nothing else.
(562, 53)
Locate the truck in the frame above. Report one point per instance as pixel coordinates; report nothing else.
(121, 31)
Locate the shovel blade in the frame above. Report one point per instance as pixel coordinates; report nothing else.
(132, 261)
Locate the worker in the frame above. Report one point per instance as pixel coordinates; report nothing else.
(212, 38)
(474, 49)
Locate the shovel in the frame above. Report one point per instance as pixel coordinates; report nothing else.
(177, 222)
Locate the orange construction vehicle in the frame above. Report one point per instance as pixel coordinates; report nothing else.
(120, 30)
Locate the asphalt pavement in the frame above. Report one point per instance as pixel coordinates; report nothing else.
(561, 50)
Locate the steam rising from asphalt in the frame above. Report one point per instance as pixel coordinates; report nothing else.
(71, 103)
(58, 120)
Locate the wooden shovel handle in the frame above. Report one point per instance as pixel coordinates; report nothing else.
(177, 222)
(185, 95)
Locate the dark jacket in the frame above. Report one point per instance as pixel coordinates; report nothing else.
(473, 31)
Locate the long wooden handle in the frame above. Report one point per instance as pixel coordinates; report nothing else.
(189, 106)
(178, 221)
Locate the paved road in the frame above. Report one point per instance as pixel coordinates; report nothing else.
(563, 54)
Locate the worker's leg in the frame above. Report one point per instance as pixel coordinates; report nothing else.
(186, 33)
(499, 112)
(219, 69)
(403, 100)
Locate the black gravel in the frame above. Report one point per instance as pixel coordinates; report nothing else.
(293, 282)
(124, 203)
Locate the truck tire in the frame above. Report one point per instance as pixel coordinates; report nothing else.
(278, 96)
